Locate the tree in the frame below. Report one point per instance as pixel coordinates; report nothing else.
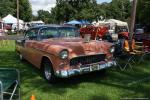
(6, 7)
(25, 10)
(44, 16)
(66, 10)
(117, 9)
(143, 12)
(9, 7)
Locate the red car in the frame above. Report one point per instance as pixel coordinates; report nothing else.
(146, 42)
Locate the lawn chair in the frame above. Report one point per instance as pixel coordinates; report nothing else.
(126, 58)
(9, 84)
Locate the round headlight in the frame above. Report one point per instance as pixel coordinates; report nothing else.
(112, 49)
(63, 54)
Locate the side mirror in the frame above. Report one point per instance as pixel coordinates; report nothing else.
(20, 42)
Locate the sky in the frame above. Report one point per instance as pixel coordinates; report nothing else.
(48, 4)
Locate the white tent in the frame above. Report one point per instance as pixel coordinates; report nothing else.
(117, 22)
(98, 23)
(9, 19)
(111, 22)
(37, 22)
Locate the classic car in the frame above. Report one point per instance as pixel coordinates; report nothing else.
(59, 51)
(118, 36)
(146, 42)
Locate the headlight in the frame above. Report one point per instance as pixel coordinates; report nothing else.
(112, 49)
(63, 54)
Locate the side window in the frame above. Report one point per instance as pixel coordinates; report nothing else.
(46, 33)
(31, 34)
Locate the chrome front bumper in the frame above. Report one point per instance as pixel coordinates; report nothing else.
(85, 69)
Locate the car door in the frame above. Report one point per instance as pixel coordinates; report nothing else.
(30, 40)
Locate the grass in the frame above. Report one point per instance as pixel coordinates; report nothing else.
(112, 85)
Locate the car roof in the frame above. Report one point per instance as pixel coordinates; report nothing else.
(51, 25)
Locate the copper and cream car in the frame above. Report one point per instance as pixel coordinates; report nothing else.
(60, 51)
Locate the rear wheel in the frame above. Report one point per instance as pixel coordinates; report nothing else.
(48, 71)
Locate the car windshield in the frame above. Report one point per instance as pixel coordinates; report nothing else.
(59, 32)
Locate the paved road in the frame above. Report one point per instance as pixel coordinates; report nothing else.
(11, 37)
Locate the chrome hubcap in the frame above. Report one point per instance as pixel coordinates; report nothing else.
(47, 72)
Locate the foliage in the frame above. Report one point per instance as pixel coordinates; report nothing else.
(25, 10)
(9, 7)
(44, 15)
(143, 12)
(66, 10)
(6, 7)
(117, 9)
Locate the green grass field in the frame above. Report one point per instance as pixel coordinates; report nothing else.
(112, 85)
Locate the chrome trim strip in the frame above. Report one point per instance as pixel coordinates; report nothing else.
(73, 72)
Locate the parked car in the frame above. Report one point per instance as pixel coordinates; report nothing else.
(59, 51)
(146, 42)
(138, 34)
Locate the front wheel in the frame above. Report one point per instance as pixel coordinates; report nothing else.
(48, 72)
(21, 57)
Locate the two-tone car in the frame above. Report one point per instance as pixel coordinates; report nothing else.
(60, 51)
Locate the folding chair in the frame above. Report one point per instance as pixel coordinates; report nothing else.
(125, 58)
(9, 84)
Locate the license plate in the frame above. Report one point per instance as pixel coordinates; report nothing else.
(87, 69)
(102, 66)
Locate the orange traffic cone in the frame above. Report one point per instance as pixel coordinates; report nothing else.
(32, 97)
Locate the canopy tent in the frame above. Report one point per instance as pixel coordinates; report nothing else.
(37, 22)
(84, 22)
(97, 23)
(111, 22)
(74, 22)
(9, 19)
(117, 22)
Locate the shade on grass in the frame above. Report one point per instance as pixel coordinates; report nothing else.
(112, 85)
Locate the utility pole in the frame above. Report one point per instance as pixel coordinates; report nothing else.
(132, 24)
(122, 4)
(17, 16)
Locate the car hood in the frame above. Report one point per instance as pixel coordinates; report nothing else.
(75, 46)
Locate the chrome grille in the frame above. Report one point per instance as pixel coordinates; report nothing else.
(87, 59)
